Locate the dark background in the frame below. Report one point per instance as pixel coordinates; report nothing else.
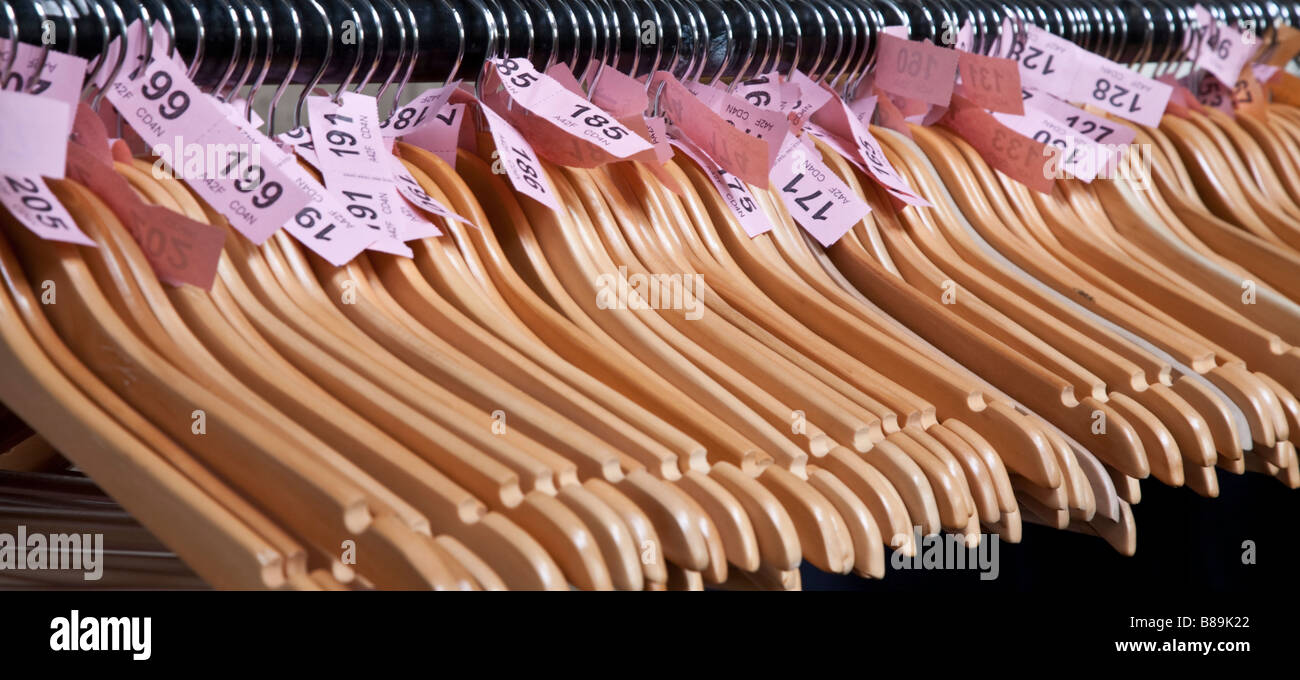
(1185, 543)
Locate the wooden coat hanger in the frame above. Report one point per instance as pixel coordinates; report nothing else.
(420, 546)
(826, 545)
(671, 221)
(213, 540)
(721, 221)
(937, 474)
(581, 339)
(1153, 434)
(1055, 441)
(731, 335)
(403, 279)
(420, 294)
(285, 478)
(895, 462)
(1232, 375)
(970, 450)
(851, 245)
(528, 564)
(1247, 149)
(985, 475)
(1277, 148)
(1157, 442)
(1038, 389)
(1253, 174)
(1275, 312)
(1233, 248)
(912, 432)
(719, 496)
(1188, 429)
(639, 234)
(796, 501)
(1023, 447)
(1056, 231)
(564, 532)
(557, 528)
(1197, 309)
(1168, 334)
(1076, 493)
(148, 467)
(1216, 180)
(369, 447)
(1284, 133)
(1275, 356)
(538, 317)
(725, 506)
(149, 295)
(734, 525)
(610, 532)
(1033, 257)
(836, 415)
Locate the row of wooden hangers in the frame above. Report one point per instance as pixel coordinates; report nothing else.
(643, 449)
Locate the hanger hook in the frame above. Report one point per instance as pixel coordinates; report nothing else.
(415, 48)
(34, 79)
(379, 46)
(1148, 42)
(851, 55)
(615, 37)
(728, 41)
(361, 44)
(753, 44)
(11, 18)
(875, 22)
(945, 23)
(460, 39)
(552, 47)
(656, 23)
(66, 9)
(199, 35)
(104, 36)
(296, 22)
(652, 106)
(1122, 39)
(580, 66)
(775, 36)
(120, 20)
(146, 33)
(797, 29)
(571, 59)
(1091, 25)
(636, 35)
(528, 28)
(610, 46)
(252, 54)
(310, 87)
(164, 14)
(822, 36)
(859, 67)
(1161, 64)
(401, 55)
(237, 43)
(839, 38)
(931, 27)
(490, 49)
(699, 40)
(268, 53)
(502, 27)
